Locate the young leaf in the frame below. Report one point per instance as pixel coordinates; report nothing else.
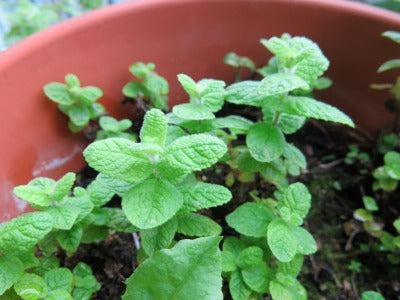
(295, 156)
(33, 195)
(85, 283)
(60, 278)
(230, 251)
(188, 84)
(234, 60)
(118, 221)
(281, 240)
(118, 158)
(265, 141)
(287, 123)
(72, 80)
(192, 224)
(11, 270)
(79, 115)
(190, 270)
(58, 93)
(305, 241)
(31, 287)
(250, 219)
(280, 84)
(257, 277)
(64, 215)
(292, 267)
(70, 239)
(246, 93)
(151, 203)
(237, 287)
(24, 232)
(190, 153)
(203, 195)
(154, 128)
(159, 237)
(193, 111)
(250, 256)
(370, 203)
(297, 198)
(63, 186)
(310, 108)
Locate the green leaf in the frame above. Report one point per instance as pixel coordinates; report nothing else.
(279, 291)
(156, 84)
(60, 278)
(238, 288)
(392, 164)
(119, 158)
(140, 69)
(369, 203)
(34, 195)
(305, 241)
(281, 240)
(63, 186)
(89, 94)
(133, 89)
(190, 153)
(250, 219)
(250, 256)
(116, 186)
(257, 277)
(297, 198)
(151, 203)
(64, 215)
(70, 239)
(11, 270)
(265, 141)
(393, 35)
(230, 251)
(310, 108)
(79, 115)
(72, 80)
(159, 237)
(190, 270)
(119, 221)
(192, 224)
(193, 111)
(24, 232)
(100, 194)
(247, 163)
(280, 84)
(396, 224)
(234, 60)
(85, 283)
(189, 85)
(389, 65)
(287, 123)
(31, 287)
(203, 195)
(29, 259)
(58, 93)
(59, 295)
(371, 295)
(237, 123)
(292, 267)
(154, 128)
(363, 215)
(295, 156)
(246, 93)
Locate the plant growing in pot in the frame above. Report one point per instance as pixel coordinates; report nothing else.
(164, 193)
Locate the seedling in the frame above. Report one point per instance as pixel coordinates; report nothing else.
(150, 87)
(78, 103)
(111, 127)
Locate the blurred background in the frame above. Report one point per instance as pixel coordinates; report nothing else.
(21, 18)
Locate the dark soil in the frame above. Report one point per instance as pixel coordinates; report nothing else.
(337, 190)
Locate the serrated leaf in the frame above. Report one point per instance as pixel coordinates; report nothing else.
(246, 93)
(64, 215)
(201, 195)
(63, 186)
(98, 193)
(250, 256)
(119, 187)
(193, 224)
(151, 203)
(310, 108)
(306, 243)
(11, 270)
(250, 219)
(265, 141)
(154, 128)
(24, 232)
(31, 287)
(60, 278)
(297, 198)
(257, 277)
(58, 93)
(281, 240)
(287, 123)
(118, 158)
(280, 84)
(238, 288)
(70, 239)
(193, 111)
(33, 195)
(190, 153)
(159, 237)
(190, 270)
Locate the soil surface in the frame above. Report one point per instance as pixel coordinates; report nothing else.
(337, 190)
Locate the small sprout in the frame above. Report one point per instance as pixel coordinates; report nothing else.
(111, 127)
(355, 266)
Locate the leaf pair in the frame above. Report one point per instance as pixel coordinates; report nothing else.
(78, 103)
(153, 168)
(111, 127)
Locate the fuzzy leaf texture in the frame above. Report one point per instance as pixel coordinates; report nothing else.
(190, 270)
(31, 287)
(154, 128)
(24, 232)
(310, 108)
(281, 240)
(192, 224)
(11, 270)
(158, 238)
(190, 153)
(297, 198)
(280, 83)
(151, 203)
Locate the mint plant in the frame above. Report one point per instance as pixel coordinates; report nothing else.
(111, 127)
(78, 103)
(151, 87)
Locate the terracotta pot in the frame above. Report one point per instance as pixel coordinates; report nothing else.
(179, 36)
